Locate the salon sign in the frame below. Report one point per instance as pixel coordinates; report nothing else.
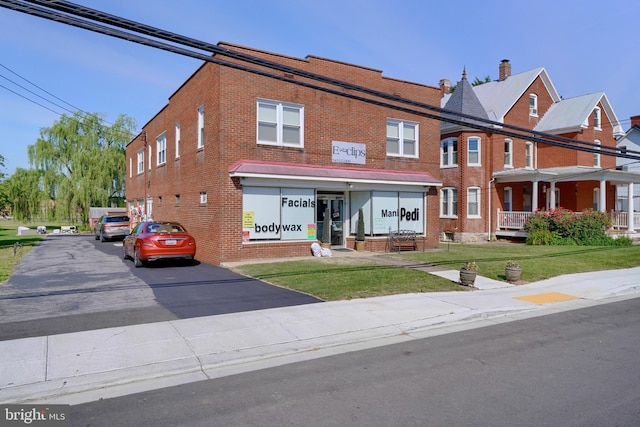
(348, 152)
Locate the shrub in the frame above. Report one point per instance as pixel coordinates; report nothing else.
(564, 227)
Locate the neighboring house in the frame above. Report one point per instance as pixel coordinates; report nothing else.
(628, 143)
(249, 163)
(492, 183)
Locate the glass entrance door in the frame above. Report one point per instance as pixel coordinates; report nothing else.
(335, 205)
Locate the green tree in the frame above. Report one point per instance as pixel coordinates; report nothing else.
(4, 198)
(82, 163)
(23, 191)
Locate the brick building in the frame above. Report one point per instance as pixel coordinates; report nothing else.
(249, 163)
(492, 182)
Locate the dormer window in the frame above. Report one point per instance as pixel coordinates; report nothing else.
(596, 118)
(533, 105)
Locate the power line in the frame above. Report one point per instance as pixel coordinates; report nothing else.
(494, 127)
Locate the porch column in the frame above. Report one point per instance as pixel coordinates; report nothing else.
(603, 195)
(630, 224)
(534, 196)
(552, 195)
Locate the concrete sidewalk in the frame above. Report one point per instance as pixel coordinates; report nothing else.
(86, 366)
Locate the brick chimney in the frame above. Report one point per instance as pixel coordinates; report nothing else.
(445, 87)
(635, 121)
(504, 70)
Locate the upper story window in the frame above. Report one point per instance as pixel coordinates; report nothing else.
(449, 152)
(508, 153)
(533, 104)
(178, 140)
(597, 124)
(201, 126)
(141, 160)
(402, 138)
(528, 155)
(449, 202)
(596, 156)
(203, 197)
(280, 124)
(161, 149)
(473, 151)
(473, 202)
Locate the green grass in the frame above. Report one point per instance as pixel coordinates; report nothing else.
(8, 237)
(342, 278)
(336, 278)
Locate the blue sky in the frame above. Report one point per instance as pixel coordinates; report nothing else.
(585, 45)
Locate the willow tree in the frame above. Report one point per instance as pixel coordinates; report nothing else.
(82, 163)
(25, 196)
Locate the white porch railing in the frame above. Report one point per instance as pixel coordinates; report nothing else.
(620, 220)
(512, 220)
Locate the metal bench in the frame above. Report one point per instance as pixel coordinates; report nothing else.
(403, 239)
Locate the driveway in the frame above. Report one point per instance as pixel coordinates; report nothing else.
(74, 283)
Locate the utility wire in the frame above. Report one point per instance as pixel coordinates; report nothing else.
(526, 134)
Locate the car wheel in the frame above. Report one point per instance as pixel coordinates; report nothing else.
(136, 261)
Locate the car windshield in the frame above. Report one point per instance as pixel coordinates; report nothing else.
(166, 227)
(123, 218)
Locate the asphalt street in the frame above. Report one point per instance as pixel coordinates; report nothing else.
(74, 283)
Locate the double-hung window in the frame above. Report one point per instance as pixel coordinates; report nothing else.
(449, 152)
(596, 156)
(161, 149)
(533, 105)
(507, 205)
(473, 151)
(597, 125)
(449, 202)
(141, 160)
(177, 140)
(201, 126)
(508, 153)
(280, 123)
(528, 155)
(402, 138)
(473, 202)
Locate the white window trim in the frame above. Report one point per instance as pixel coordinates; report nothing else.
(597, 113)
(508, 143)
(161, 149)
(529, 147)
(280, 123)
(177, 140)
(449, 142)
(448, 192)
(479, 163)
(203, 197)
(201, 126)
(533, 110)
(401, 125)
(508, 199)
(479, 199)
(140, 161)
(597, 157)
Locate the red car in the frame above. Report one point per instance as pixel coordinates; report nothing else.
(158, 240)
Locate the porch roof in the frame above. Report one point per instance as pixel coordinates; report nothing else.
(567, 173)
(294, 171)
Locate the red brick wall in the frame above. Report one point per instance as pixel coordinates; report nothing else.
(229, 97)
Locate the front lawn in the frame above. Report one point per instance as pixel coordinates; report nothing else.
(340, 278)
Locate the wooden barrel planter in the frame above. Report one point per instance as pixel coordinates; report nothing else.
(467, 277)
(512, 273)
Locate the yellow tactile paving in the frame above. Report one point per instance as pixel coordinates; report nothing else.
(546, 298)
